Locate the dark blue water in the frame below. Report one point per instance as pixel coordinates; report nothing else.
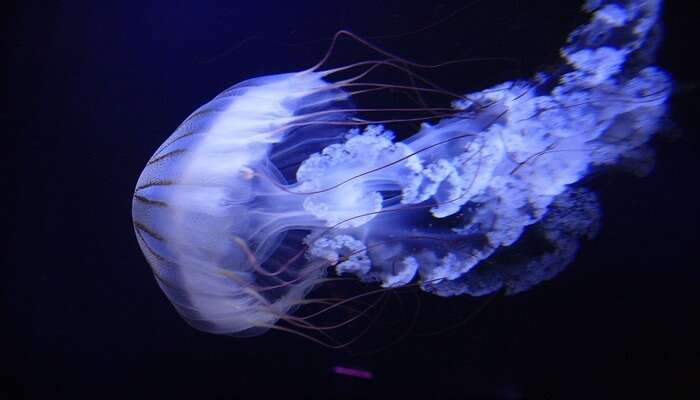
(93, 89)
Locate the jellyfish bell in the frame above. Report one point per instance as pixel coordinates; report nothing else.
(242, 211)
(206, 220)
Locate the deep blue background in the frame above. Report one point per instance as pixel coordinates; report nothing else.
(94, 87)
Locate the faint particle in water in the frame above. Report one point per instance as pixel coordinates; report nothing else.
(353, 372)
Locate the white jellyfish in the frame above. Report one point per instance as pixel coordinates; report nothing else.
(276, 183)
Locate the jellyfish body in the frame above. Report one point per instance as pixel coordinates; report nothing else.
(237, 239)
(207, 227)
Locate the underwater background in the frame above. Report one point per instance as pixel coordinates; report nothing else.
(92, 88)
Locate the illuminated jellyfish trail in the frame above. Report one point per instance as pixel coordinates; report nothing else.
(261, 191)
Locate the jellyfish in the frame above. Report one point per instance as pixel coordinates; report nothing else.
(277, 185)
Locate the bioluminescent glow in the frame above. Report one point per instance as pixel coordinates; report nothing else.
(277, 183)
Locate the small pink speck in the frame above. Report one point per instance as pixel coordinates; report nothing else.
(356, 373)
